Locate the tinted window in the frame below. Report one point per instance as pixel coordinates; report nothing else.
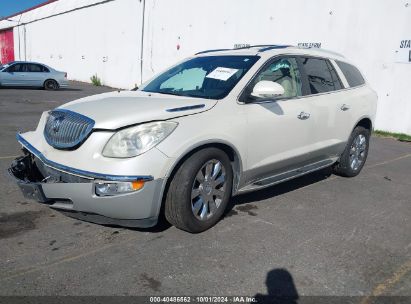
(285, 72)
(351, 73)
(18, 67)
(38, 68)
(35, 68)
(206, 77)
(319, 75)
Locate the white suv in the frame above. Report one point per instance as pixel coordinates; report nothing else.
(218, 124)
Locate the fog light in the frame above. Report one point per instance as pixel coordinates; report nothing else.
(114, 188)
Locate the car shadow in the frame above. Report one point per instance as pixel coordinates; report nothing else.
(162, 225)
(280, 288)
(70, 90)
(279, 189)
(19, 88)
(254, 196)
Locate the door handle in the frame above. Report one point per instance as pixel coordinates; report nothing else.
(303, 116)
(345, 107)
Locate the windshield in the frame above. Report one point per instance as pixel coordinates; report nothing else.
(210, 77)
(5, 66)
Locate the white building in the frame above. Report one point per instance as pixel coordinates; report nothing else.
(125, 42)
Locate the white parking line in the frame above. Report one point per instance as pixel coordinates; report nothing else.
(7, 157)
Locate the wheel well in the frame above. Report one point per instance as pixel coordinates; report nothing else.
(44, 83)
(232, 155)
(365, 123)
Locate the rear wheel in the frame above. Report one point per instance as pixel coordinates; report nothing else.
(199, 191)
(51, 85)
(355, 154)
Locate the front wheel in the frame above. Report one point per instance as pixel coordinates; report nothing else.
(199, 191)
(355, 154)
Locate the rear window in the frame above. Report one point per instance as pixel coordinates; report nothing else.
(37, 68)
(351, 73)
(319, 75)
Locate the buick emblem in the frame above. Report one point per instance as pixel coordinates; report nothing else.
(55, 125)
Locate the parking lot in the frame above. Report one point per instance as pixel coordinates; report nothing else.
(316, 235)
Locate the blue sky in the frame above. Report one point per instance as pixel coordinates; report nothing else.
(9, 7)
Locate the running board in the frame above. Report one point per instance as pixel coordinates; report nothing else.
(285, 176)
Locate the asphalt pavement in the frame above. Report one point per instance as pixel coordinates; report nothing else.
(318, 235)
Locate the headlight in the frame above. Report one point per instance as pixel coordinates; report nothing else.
(139, 139)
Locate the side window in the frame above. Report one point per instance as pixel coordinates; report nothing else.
(35, 68)
(351, 73)
(18, 67)
(24, 68)
(285, 72)
(319, 75)
(190, 79)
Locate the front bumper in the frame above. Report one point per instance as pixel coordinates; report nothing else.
(75, 195)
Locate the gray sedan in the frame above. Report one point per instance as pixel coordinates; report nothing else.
(32, 74)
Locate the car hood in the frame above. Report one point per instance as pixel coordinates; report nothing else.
(122, 108)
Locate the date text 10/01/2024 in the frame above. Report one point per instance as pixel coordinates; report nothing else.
(203, 299)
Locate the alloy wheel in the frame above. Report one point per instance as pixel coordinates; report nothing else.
(358, 152)
(51, 85)
(208, 189)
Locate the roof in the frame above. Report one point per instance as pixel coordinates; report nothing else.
(29, 9)
(46, 10)
(273, 49)
(22, 61)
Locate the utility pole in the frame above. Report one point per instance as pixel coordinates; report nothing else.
(142, 41)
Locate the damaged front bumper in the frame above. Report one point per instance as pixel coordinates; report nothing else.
(75, 194)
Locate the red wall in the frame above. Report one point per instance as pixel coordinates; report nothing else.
(6, 46)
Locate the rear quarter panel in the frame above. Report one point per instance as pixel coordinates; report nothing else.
(364, 105)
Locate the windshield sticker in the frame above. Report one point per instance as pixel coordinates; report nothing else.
(222, 73)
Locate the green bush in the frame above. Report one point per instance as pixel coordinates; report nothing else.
(95, 80)
(399, 136)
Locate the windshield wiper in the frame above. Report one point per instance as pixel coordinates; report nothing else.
(169, 93)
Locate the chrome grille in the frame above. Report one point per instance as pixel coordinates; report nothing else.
(65, 129)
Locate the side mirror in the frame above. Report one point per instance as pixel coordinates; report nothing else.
(267, 89)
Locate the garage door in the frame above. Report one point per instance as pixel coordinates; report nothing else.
(6, 46)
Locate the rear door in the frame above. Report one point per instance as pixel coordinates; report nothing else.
(36, 74)
(323, 89)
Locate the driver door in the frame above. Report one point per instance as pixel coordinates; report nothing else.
(278, 131)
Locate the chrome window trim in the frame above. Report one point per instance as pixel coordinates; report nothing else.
(79, 172)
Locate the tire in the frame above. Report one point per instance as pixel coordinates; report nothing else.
(357, 146)
(51, 85)
(183, 204)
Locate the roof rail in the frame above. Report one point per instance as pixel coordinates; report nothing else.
(209, 51)
(263, 48)
(273, 47)
(322, 50)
